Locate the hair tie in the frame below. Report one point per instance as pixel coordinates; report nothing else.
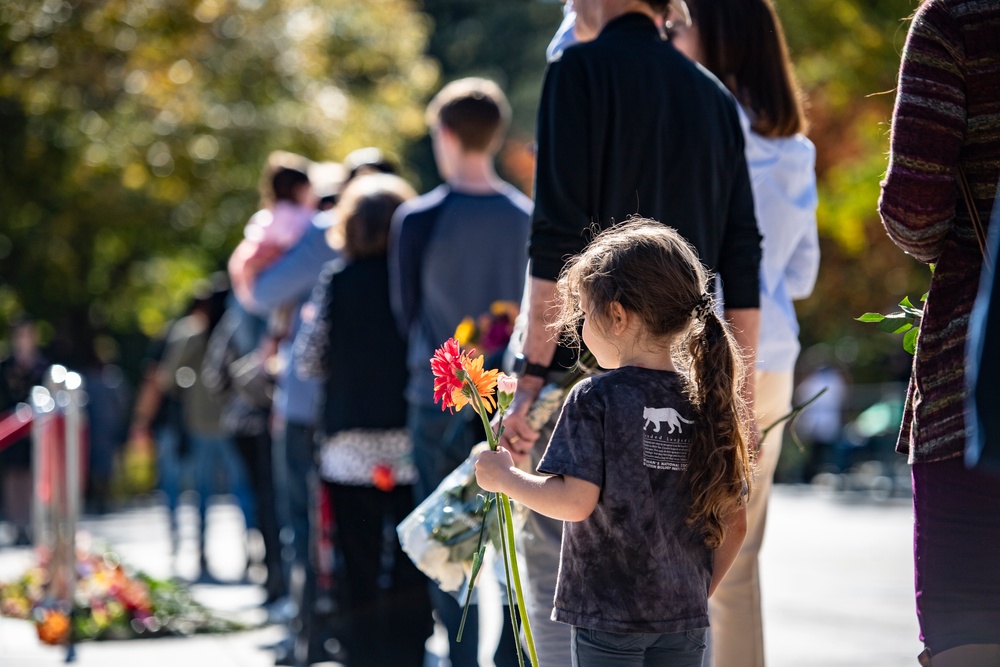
(702, 309)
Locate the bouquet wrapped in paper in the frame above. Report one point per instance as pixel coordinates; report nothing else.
(441, 535)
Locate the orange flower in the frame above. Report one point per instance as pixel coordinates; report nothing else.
(484, 381)
(53, 628)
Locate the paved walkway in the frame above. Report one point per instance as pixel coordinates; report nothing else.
(836, 568)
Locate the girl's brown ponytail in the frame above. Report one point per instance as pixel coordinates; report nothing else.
(719, 461)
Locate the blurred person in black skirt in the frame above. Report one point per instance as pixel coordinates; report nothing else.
(349, 340)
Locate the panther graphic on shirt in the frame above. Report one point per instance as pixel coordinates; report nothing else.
(658, 415)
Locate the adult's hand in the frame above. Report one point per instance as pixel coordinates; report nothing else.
(518, 437)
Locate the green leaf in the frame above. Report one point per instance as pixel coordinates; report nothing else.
(870, 317)
(924, 297)
(895, 324)
(905, 303)
(910, 340)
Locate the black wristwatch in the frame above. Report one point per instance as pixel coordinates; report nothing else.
(524, 367)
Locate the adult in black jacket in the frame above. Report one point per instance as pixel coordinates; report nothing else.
(626, 126)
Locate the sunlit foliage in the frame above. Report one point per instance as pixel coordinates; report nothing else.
(132, 134)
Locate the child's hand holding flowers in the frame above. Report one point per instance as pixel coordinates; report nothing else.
(493, 468)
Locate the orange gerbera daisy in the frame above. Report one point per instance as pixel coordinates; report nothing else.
(484, 381)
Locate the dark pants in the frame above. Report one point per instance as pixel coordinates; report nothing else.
(592, 648)
(294, 472)
(956, 546)
(255, 450)
(384, 602)
(295, 475)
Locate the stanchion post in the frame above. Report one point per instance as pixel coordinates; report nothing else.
(56, 444)
(75, 399)
(42, 406)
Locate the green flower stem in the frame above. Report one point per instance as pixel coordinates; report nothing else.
(483, 414)
(515, 575)
(477, 564)
(507, 540)
(493, 439)
(504, 521)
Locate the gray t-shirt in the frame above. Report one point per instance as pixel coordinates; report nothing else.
(452, 255)
(632, 565)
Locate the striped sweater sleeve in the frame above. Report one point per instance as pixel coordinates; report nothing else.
(920, 189)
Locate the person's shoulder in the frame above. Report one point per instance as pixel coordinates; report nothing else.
(313, 242)
(577, 51)
(621, 381)
(944, 21)
(425, 204)
(792, 153)
(518, 199)
(512, 199)
(185, 327)
(351, 279)
(587, 389)
(333, 267)
(608, 385)
(710, 85)
(578, 58)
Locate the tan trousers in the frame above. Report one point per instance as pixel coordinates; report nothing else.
(737, 635)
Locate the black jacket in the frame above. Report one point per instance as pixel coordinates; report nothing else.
(627, 125)
(354, 346)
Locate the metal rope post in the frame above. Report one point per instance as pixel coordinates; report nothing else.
(57, 432)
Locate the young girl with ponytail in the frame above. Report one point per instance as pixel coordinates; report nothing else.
(648, 465)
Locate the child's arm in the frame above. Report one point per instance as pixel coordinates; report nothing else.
(725, 555)
(558, 496)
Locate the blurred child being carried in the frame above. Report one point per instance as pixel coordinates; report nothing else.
(288, 206)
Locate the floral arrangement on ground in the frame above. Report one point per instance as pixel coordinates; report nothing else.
(112, 601)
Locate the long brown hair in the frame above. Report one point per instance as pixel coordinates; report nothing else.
(743, 44)
(655, 274)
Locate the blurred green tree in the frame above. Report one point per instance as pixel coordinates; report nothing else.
(134, 132)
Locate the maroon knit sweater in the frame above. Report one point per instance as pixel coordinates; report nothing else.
(947, 114)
